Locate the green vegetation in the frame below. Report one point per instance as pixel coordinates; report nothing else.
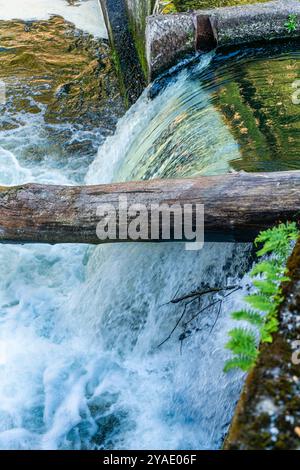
(267, 276)
(165, 7)
(138, 13)
(291, 24)
(254, 97)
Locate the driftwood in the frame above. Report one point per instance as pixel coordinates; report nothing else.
(237, 206)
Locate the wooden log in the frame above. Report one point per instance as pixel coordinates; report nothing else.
(237, 206)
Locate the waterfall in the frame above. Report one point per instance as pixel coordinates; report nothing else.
(80, 327)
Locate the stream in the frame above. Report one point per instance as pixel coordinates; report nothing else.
(80, 326)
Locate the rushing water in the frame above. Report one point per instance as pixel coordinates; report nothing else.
(80, 366)
(185, 5)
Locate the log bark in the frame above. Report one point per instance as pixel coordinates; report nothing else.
(237, 206)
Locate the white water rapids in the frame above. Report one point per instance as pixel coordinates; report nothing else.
(79, 326)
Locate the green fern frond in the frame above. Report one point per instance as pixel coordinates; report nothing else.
(272, 272)
(260, 302)
(277, 239)
(269, 269)
(267, 330)
(266, 287)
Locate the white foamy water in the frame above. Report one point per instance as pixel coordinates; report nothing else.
(80, 365)
(85, 14)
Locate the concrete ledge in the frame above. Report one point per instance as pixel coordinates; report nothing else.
(171, 37)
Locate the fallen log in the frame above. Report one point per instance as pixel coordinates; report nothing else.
(237, 206)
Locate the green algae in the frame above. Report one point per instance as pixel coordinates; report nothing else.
(185, 5)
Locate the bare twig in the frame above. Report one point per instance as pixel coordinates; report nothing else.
(197, 294)
(217, 317)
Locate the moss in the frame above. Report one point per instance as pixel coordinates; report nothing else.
(254, 98)
(137, 14)
(274, 380)
(167, 7)
(185, 5)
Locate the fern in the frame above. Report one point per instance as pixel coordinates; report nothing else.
(268, 328)
(260, 302)
(268, 268)
(266, 287)
(276, 243)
